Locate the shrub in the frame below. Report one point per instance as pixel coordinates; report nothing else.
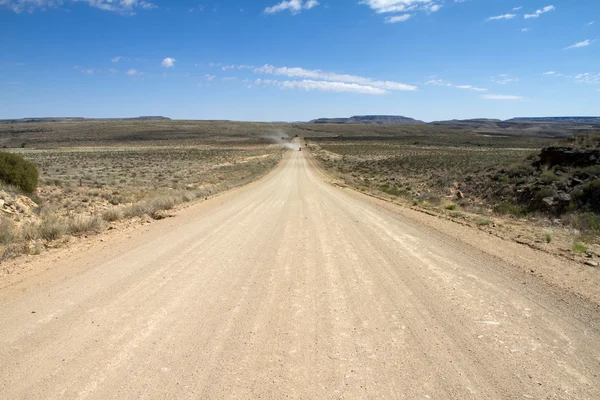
(508, 208)
(30, 230)
(584, 222)
(538, 197)
(164, 203)
(589, 195)
(7, 230)
(16, 171)
(134, 210)
(548, 177)
(112, 214)
(52, 228)
(451, 206)
(392, 191)
(579, 248)
(483, 222)
(82, 224)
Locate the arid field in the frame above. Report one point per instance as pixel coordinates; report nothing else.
(96, 173)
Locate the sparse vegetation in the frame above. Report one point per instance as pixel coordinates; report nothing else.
(483, 222)
(508, 176)
(578, 247)
(93, 172)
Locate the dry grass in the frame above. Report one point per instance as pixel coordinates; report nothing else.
(7, 230)
(95, 173)
(81, 224)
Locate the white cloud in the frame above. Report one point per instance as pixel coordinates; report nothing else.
(501, 97)
(86, 71)
(232, 66)
(550, 73)
(469, 87)
(134, 72)
(440, 82)
(540, 12)
(588, 79)
(499, 17)
(331, 76)
(391, 6)
(168, 62)
(310, 4)
(578, 45)
(407, 7)
(116, 59)
(119, 6)
(525, 30)
(294, 6)
(517, 8)
(209, 77)
(591, 22)
(505, 79)
(323, 86)
(398, 18)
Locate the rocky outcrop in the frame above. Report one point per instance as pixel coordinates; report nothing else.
(568, 157)
(16, 206)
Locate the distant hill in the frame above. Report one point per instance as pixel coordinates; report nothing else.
(67, 119)
(561, 120)
(370, 120)
(539, 126)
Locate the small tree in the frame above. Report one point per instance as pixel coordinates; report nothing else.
(16, 171)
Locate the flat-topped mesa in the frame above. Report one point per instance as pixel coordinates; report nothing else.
(370, 120)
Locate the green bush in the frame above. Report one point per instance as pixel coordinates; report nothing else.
(579, 248)
(589, 195)
(16, 171)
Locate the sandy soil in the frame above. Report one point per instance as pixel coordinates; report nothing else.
(292, 287)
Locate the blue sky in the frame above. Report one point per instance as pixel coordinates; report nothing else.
(295, 60)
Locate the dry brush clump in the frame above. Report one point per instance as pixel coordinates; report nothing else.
(81, 224)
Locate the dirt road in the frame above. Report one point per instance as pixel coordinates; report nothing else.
(294, 288)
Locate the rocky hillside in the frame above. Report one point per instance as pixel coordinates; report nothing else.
(553, 127)
(562, 180)
(370, 120)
